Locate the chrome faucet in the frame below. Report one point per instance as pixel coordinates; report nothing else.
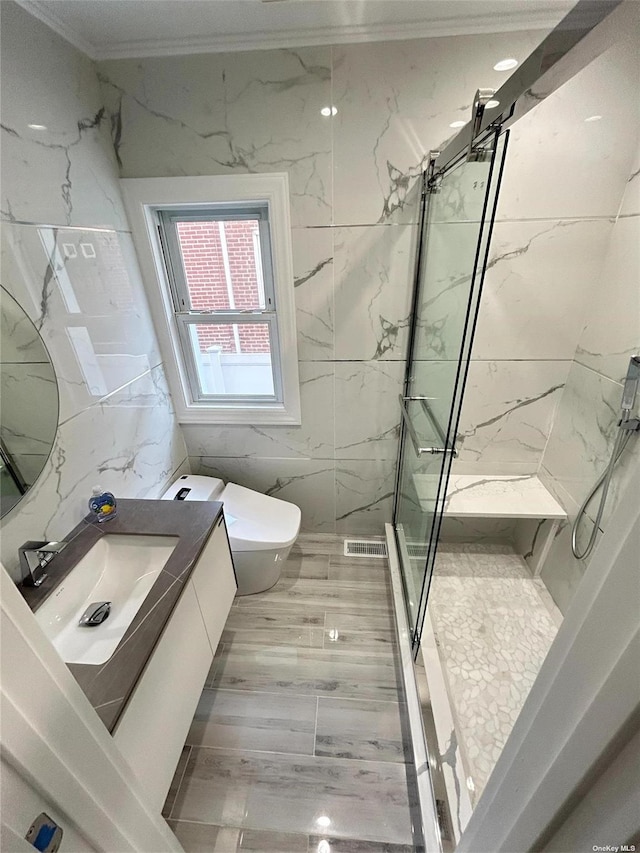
(35, 557)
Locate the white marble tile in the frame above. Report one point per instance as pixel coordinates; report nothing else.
(312, 440)
(631, 199)
(533, 300)
(129, 443)
(581, 442)
(367, 409)
(559, 165)
(612, 331)
(308, 483)
(508, 410)
(364, 495)
(313, 282)
(503, 496)
(373, 268)
(395, 101)
(83, 291)
(223, 113)
(65, 173)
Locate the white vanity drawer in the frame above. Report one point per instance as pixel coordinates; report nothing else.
(153, 728)
(215, 582)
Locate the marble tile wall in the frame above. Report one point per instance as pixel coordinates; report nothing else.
(354, 209)
(562, 186)
(67, 257)
(560, 313)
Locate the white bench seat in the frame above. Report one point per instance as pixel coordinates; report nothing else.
(500, 496)
(503, 496)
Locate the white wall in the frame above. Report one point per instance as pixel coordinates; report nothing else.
(353, 216)
(79, 285)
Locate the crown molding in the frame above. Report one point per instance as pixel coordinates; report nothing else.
(43, 12)
(309, 37)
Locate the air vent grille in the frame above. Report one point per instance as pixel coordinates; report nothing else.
(365, 548)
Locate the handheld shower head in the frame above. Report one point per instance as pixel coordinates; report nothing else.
(631, 383)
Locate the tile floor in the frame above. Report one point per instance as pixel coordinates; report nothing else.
(494, 624)
(298, 741)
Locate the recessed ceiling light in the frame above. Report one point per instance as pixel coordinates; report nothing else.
(593, 118)
(505, 65)
(328, 111)
(490, 104)
(457, 124)
(37, 126)
(323, 820)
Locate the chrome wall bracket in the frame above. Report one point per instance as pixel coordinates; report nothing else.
(432, 180)
(479, 154)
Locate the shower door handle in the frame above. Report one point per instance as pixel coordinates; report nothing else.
(414, 435)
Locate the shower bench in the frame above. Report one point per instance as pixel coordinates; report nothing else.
(520, 497)
(509, 496)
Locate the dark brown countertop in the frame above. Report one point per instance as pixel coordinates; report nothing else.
(109, 685)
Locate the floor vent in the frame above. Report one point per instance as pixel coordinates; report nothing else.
(364, 548)
(417, 552)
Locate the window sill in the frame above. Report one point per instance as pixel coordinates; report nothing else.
(235, 416)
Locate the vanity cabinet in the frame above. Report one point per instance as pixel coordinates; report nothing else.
(154, 725)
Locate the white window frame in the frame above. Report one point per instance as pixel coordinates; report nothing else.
(144, 197)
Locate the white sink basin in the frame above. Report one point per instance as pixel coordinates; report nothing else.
(120, 569)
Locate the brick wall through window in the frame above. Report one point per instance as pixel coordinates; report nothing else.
(207, 281)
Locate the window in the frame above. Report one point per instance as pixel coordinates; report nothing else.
(217, 261)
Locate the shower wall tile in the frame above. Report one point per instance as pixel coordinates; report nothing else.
(313, 282)
(631, 199)
(364, 495)
(65, 172)
(308, 483)
(373, 266)
(395, 101)
(314, 439)
(367, 409)
(533, 301)
(80, 286)
(83, 291)
(216, 114)
(562, 572)
(508, 412)
(612, 331)
(130, 443)
(560, 165)
(582, 439)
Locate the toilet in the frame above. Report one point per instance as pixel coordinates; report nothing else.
(261, 529)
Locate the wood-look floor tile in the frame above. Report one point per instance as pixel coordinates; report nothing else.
(369, 730)
(359, 569)
(308, 672)
(301, 566)
(256, 721)
(369, 633)
(354, 596)
(326, 844)
(362, 799)
(208, 838)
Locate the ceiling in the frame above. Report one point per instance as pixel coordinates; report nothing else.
(109, 29)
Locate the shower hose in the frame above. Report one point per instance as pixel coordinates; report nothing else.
(622, 439)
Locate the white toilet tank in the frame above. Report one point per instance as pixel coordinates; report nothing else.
(261, 529)
(194, 487)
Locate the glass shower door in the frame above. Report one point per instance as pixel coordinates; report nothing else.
(455, 230)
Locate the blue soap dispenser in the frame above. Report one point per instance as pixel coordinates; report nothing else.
(102, 504)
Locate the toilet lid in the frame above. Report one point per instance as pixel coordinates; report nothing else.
(257, 522)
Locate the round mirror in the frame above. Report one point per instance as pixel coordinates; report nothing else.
(28, 403)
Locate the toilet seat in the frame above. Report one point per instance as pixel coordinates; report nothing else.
(257, 522)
